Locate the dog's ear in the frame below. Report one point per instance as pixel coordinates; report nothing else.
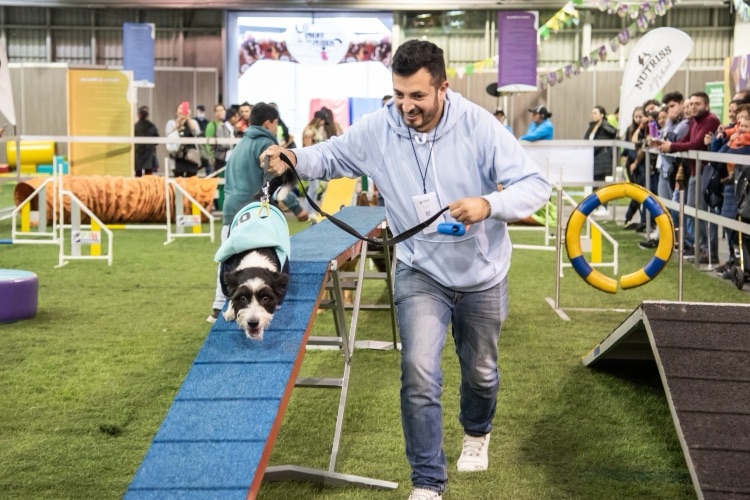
(231, 282)
(280, 282)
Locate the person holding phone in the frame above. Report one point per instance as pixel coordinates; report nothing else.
(186, 157)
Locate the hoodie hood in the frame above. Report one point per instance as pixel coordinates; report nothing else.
(452, 111)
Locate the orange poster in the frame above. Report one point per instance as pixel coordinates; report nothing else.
(99, 104)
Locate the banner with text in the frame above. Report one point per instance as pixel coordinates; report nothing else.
(653, 61)
(138, 52)
(517, 51)
(99, 104)
(715, 91)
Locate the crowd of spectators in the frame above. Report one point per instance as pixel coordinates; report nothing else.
(678, 125)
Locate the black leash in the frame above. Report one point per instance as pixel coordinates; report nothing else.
(346, 227)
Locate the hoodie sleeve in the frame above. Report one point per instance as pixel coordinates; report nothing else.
(345, 155)
(525, 190)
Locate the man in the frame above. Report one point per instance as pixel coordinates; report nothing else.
(500, 115)
(216, 153)
(674, 129)
(243, 177)
(703, 122)
(427, 148)
(540, 128)
(200, 117)
(244, 123)
(146, 162)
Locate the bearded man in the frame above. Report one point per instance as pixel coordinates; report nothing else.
(426, 148)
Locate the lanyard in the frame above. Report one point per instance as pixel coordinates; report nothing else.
(429, 157)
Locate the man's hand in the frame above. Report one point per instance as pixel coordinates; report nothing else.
(665, 147)
(470, 210)
(276, 165)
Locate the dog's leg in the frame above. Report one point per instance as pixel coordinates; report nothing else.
(229, 314)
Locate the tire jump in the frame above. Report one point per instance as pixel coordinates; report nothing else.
(604, 195)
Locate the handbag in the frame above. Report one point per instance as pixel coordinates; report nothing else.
(191, 155)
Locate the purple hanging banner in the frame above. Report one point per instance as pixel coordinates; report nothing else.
(517, 50)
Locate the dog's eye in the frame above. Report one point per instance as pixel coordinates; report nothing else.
(265, 299)
(242, 299)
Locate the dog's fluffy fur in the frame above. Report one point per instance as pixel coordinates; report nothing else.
(256, 286)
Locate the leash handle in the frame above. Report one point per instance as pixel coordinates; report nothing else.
(346, 227)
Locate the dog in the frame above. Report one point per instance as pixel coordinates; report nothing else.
(255, 287)
(254, 271)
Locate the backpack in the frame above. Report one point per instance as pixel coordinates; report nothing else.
(713, 193)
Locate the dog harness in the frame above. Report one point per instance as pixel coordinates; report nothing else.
(257, 226)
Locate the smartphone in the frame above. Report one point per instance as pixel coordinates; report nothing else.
(184, 108)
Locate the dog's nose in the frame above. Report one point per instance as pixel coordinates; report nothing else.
(253, 323)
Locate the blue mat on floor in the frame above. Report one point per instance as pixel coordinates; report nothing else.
(214, 442)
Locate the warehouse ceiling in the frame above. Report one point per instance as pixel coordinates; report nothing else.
(383, 5)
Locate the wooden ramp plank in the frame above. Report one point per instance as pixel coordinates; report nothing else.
(703, 355)
(218, 434)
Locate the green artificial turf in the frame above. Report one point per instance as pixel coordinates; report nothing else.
(85, 385)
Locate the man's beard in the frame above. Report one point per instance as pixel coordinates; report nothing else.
(427, 116)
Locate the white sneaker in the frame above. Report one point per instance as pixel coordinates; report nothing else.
(601, 211)
(424, 494)
(474, 454)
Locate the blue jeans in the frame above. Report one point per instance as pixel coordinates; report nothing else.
(424, 309)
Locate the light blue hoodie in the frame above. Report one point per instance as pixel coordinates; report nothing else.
(471, 154)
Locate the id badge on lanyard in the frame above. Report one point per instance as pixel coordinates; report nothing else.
(427, 206)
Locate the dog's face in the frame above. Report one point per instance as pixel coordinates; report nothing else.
(254, 297)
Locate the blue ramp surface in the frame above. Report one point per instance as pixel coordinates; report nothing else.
(218, 434)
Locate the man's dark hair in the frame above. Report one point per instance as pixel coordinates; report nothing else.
(261, 113)
(702, 95)
(417, 54)
(143, 112)
(231, 111)
(651, 101)
(745, 99)
(247, 104)
(675, 96)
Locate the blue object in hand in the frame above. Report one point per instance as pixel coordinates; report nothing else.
(452, 228)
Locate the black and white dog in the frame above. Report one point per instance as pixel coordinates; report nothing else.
(253, 277)
(255, 285)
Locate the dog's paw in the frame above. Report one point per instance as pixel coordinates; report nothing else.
(229, 314)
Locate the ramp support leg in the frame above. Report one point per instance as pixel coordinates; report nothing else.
(297, 473)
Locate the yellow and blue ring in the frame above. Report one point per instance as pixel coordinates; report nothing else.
(604, 195)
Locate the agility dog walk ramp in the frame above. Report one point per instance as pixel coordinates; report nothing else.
(702, 352)
(217, 436)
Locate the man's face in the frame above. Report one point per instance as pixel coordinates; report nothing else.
(732, 112)
(419, 103)
(650, 108)
(674, 110)
(698, 106)
(245, 112)
(271, 126)
(537, 118)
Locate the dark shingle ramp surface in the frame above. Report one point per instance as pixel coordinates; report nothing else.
(703, 355)
(218, 434)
